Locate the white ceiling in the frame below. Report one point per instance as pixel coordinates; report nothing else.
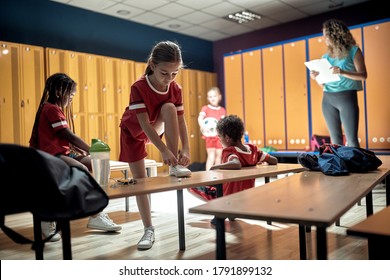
(204, 18)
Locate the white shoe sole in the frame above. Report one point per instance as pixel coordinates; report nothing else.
(113, 229)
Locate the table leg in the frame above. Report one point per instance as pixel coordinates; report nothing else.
(38, 238)
(369, 204)
(219, 188)
(387, 182)
(302, 242)
(66, 240)
(180, 216)
(221, 242)
(322, 246)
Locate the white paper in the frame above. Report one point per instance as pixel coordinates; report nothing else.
(323, 67)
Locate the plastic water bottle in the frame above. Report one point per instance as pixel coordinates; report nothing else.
(100, 155)
(246, 137)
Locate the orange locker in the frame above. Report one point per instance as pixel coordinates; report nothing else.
(93, 84)
(317, 48)
(125, 76)
(253, 96)
(76, 72)
(10, 77)
(377, 57)
(357, 34)
(32, 85)
(297, 110)
(274, 107)
(234, 85)
(108, 85)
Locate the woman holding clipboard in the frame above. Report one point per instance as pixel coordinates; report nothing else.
(339, 101)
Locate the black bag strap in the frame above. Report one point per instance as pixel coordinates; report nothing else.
(15, 236)
(20, 239)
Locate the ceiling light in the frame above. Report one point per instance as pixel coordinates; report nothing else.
(243, 16)
(123, 12)
(174, 26)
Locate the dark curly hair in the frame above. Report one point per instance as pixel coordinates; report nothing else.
(231, 126)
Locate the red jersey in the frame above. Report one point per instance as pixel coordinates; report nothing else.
(145, 98)
(214, 112)
(209, 111)
(251, 158)
(51, 120)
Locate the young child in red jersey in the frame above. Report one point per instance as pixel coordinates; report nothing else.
(236, 155)
(53, 133)
(216, 111)
(155, 110)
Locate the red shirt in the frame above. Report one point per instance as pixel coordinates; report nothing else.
(145, 98)
(251, 158)
(214, 112)
(51, 120)
(209, 111)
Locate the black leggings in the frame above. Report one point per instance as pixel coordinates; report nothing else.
(341, 109)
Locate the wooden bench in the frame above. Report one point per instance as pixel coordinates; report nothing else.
(201, 178)
(376, 228)
(308, 199)
(151, 170)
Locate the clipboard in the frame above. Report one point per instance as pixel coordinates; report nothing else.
(323, 67)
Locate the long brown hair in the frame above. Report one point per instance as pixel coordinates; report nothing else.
(57, 87)
(165, 51)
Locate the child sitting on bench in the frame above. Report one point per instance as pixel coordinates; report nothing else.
(235, 155)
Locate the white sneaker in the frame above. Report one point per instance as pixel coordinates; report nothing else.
(147, 240)
(103, 222)
(179, 171)
(49, 229)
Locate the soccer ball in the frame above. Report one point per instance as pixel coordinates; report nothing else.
(209, 127)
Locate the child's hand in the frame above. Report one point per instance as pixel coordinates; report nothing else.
(169, 158)
(184, 158)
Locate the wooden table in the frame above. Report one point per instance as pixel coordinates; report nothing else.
(376, 228)
(308, 199)
(201, 178)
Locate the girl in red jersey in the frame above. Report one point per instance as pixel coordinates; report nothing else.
(217, 112)
(155, 110)
(53, 133)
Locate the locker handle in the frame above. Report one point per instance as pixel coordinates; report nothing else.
(22, 104)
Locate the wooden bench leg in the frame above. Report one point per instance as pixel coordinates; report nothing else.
(387, 182)
(267, 180)
(180, 216)
(221, 241)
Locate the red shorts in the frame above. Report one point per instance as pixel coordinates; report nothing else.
(213, 142)
(132, 149)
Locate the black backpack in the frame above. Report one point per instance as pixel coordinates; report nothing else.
(37, 182)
